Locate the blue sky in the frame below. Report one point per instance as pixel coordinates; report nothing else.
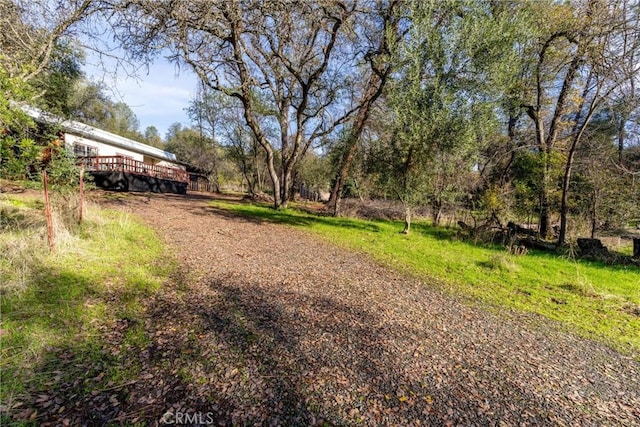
(158, 95)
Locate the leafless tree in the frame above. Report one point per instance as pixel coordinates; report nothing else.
(31, 28)
(589, 58)
(380, 66)
(293, 65)
(610, 62)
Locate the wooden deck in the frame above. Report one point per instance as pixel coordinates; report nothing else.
(128, 165)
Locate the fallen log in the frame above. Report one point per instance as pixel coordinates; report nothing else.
(518, 229)
(532, 243)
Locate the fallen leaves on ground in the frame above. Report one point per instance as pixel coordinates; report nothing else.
(265, 325)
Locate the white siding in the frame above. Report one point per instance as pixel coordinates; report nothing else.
(103, 149)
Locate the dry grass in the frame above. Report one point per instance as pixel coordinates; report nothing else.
(502, 262)
(23, 242)
(61, 301)
(23, 231)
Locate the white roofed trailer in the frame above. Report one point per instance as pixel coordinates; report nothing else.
(116, 162)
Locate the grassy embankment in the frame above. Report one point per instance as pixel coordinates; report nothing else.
(60, 303)
(593, 299)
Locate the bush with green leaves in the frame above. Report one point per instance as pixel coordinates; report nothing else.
(18, 157)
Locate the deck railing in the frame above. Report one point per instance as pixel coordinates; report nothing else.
(129, 165)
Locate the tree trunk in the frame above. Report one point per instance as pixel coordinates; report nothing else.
(554, 129)
(258, 181)
(578, 130)
(47, 212)
(545, 204)
(295, 177)
(285, 187)
(250, 183)
(543, 228)
(436, 212)
(277, 201)
(543, 225)
(594, 214)
(564, 202)
(341, 176)
(511, 132)
(337, 204)
(373, 89)
(543, 197)
(407, 220)
(214, 172)
(621, 137)
(546, 144)
(247, 99)
(636, 248)
(268, 149)
(250, 188)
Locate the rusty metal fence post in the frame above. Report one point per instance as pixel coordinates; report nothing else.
(47, 211)
(81, 196)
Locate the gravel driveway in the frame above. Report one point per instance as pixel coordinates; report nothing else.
(266, 325)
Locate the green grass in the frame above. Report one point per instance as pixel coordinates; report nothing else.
(593, 299)
(101, 271)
